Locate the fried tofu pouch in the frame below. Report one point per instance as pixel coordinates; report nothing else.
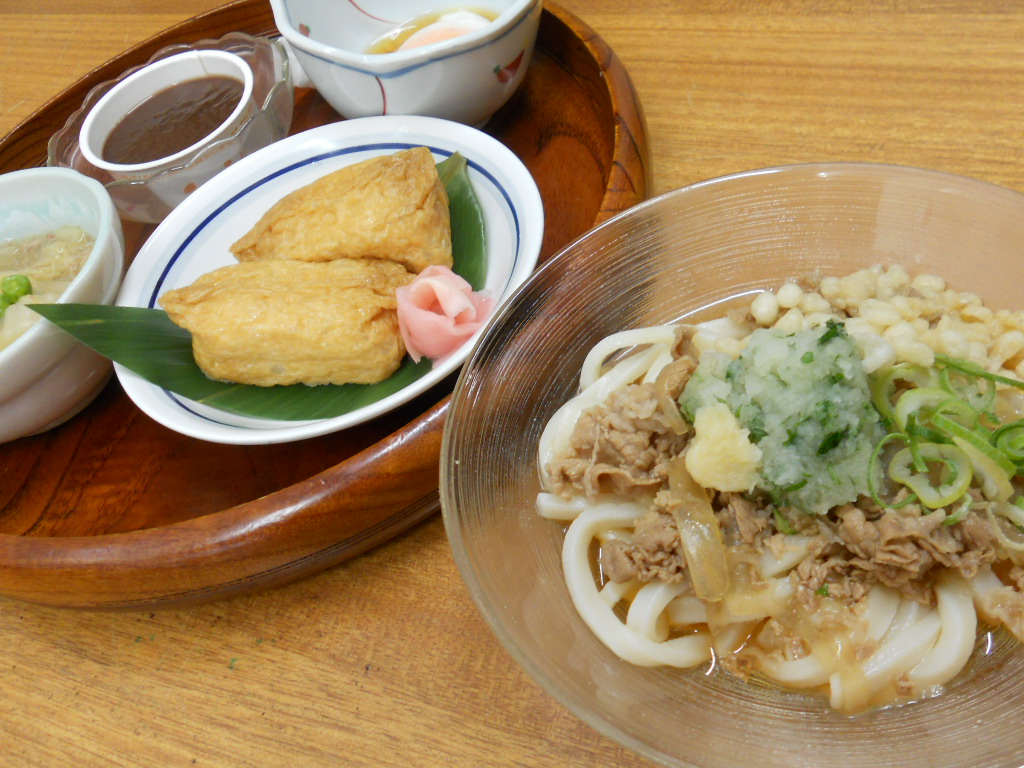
(289, 322)
(393, 207)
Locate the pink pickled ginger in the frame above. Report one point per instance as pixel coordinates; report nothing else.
(438, 311)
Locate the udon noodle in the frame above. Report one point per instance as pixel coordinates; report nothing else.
(821, 489)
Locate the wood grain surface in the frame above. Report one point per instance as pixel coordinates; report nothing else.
(383, 661)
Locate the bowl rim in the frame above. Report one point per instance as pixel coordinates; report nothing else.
(107, 235)
(399, 63)
(455, 526)
(823, 166)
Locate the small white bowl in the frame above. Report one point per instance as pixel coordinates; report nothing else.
(196, 238)
(120, 100)
(466, 78)
(48, 376)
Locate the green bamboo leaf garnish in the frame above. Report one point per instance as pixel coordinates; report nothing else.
(146, 342)
(468, 236)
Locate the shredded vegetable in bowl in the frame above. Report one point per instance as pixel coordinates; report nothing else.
(825, 490)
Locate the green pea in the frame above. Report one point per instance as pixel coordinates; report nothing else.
(13, 287)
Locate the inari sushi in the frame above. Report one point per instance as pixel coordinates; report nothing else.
(293, 322)
(393, 207)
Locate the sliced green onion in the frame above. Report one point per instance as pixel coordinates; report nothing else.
(918, 433)
(976, 370)
(1016, 543)
(960, 411)
(874, 472)
(977, 440)
(883, 388)
(944, 416)
(961, 512)
(954, 473)
(1012, 512)
(979, 393)
(1009, 440)
(994, 470)
(915, 401)
(995, 481)
(918, 461)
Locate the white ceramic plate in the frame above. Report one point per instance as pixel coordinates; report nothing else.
(196, 236)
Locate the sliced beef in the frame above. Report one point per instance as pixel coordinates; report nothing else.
(903, 546)
(655, 553)
(741, 520)
(622, 446)
(902, 549)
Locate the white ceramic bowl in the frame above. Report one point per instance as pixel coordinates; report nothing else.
(195, 238)
(466, 78)
(48, 376)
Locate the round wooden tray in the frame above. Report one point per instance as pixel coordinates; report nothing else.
(113, 510)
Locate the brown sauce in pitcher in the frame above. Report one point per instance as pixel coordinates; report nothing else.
(172, 119)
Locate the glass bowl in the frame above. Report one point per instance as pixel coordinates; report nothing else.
(150, 200)
(690, 253)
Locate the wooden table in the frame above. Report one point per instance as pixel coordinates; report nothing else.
(384, 660)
